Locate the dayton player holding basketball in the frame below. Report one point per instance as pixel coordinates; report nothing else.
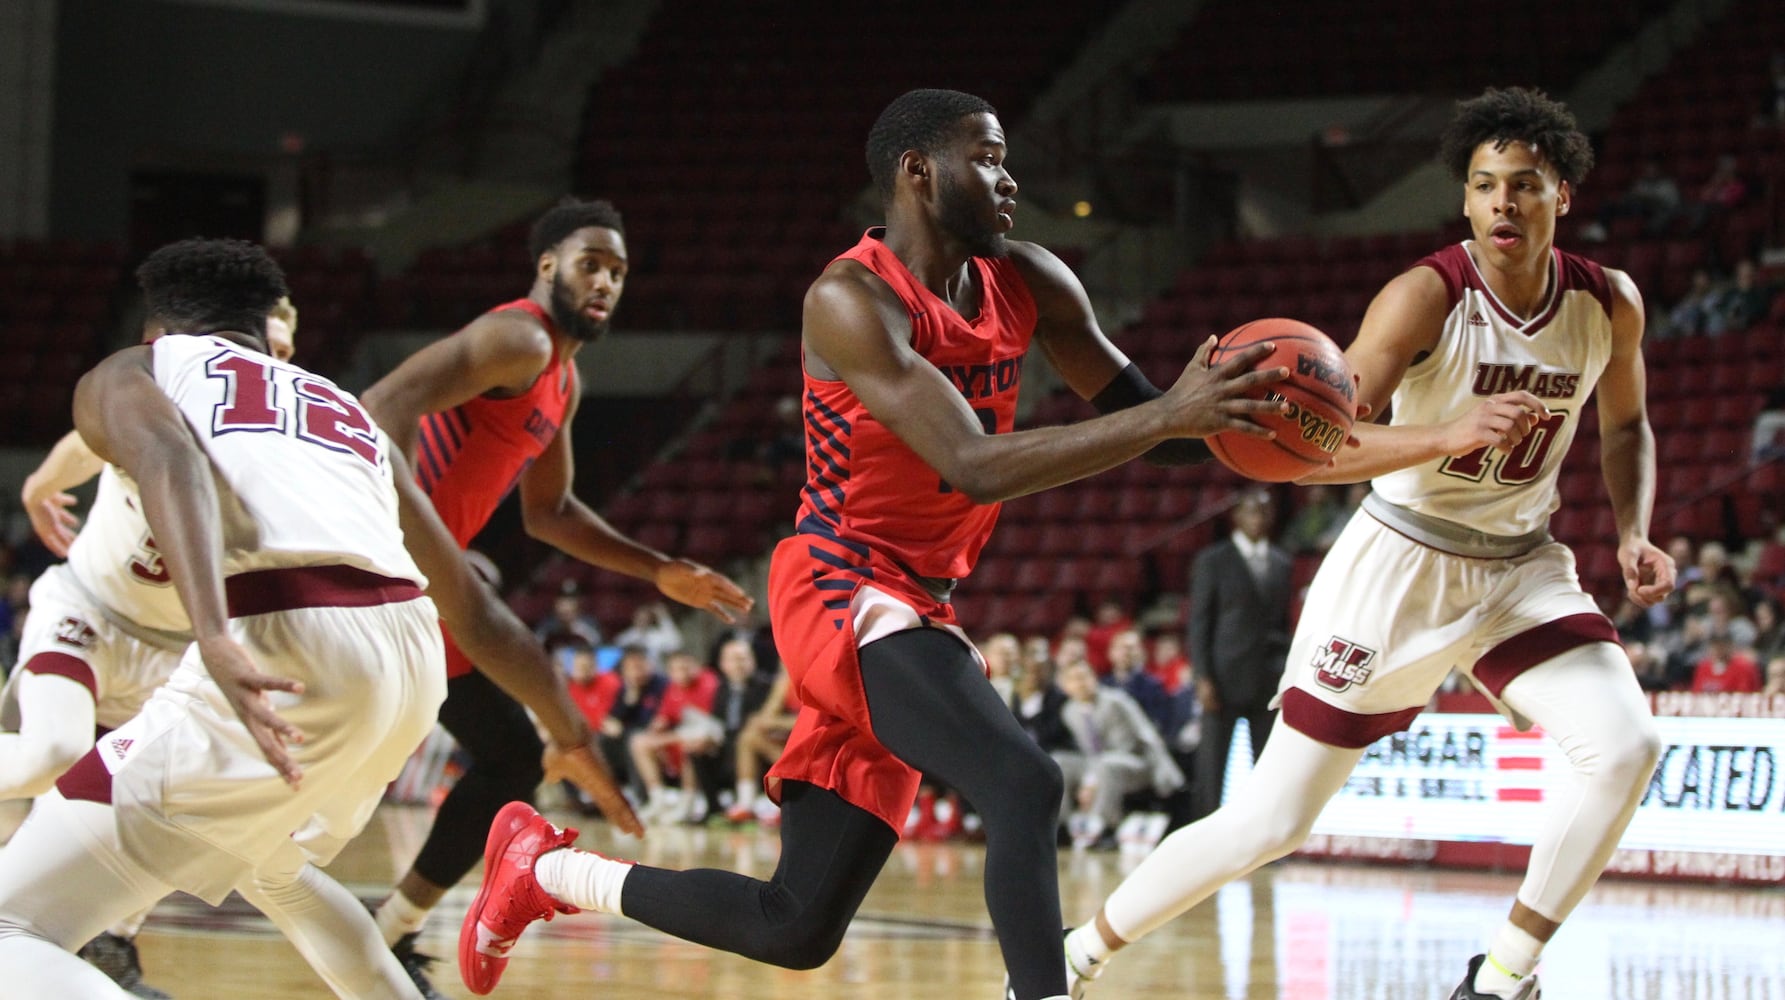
(478, 413)
(213, 433)
(913, 342)
(1489, 349)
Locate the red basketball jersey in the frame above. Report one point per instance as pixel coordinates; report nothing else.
(864, 485)
(469, 457)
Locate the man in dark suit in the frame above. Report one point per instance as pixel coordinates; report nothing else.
(1239, 635)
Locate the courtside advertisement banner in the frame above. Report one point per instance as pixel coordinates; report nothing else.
(1714, 808)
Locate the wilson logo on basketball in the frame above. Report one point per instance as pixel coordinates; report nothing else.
(1342, 663)
(1331, 375)
(1315, 429)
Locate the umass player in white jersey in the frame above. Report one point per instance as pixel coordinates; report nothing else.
(1489, 351)
(282, 517)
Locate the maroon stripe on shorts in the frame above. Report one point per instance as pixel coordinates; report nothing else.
(265, 591)
(87, 780)
(1498, 666)
(62, 665)
(1338, 728)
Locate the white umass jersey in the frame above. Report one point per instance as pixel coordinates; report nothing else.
(115, 560)
(304, 475)
(1557, 355)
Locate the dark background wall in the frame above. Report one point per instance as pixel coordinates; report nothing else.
(149, 83)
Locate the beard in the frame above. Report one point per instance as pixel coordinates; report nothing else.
(569, 316)
(960, 219)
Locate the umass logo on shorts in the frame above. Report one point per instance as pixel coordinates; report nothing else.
(1341, 663)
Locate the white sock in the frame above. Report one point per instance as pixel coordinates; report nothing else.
(398, 916)
(1512, 956)
(746, 793)
(585, 881)
(1086, 952)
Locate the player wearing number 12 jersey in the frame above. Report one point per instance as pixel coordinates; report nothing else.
(297, 543)
(1489, 350)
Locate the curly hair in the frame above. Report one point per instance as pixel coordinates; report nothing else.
(566, 217)
(204, 285)
(918, 119)
(1516, 114)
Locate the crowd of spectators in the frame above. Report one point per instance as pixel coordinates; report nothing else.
(1722, 630)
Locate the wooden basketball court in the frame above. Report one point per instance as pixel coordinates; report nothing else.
(1294, 931)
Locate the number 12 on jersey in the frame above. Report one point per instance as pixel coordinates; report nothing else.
(325, 416)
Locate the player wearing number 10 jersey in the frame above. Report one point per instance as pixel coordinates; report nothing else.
(1490, 350)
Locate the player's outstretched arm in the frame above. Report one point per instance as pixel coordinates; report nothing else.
(856, 330)
(128, 421)
(45, 494)
(1401, 326)
(501, 350)
(1067, 331)
(503, 648)
(1627, 449)
(553, 514)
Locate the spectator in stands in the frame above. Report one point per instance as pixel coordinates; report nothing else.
(1632, 622)
(1769, 429)
(1169, 664)
(1722, 192)
(1314, 525)
(568, 624)
(1714, 576)
(1183, 735)
(1036, 702)
(593, 693)
(1772, 97)
(1238, 635)
(1068, 652)
(1652, 197)
(1128, 672)
(1037, 649)
(1740, 304)
(654, 631)
(1725, 668)
(1651, 669)
(1003, 662)
(1110, 617)
(759, 745)
(13, 605)
(1691, 315)
(786, 444)
(1769, 629)
(635, 703)
(1775, 676)
(683, 724)
(742, 693)
(1119, 752)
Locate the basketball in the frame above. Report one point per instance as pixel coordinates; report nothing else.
(1322, 402)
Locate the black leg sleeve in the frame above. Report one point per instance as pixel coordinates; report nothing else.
(933, 708)
(831, 852)
(495, 733)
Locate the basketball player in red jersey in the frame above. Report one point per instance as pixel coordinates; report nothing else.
(913, 344)
(478, 413)
(1489, 349)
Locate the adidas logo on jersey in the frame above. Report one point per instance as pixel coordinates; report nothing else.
(1475, 319)
(122, 745)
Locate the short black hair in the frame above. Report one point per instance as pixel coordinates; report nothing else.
(204, 285)
(566, 217)
(1516, 114)
(923, 120)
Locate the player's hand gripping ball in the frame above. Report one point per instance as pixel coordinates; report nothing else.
(1322, 399)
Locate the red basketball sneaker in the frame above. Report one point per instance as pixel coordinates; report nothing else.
(510, 898)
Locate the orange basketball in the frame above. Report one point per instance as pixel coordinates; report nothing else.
(1322, 402)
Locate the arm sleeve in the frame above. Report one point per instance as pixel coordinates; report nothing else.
(1131, 388)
